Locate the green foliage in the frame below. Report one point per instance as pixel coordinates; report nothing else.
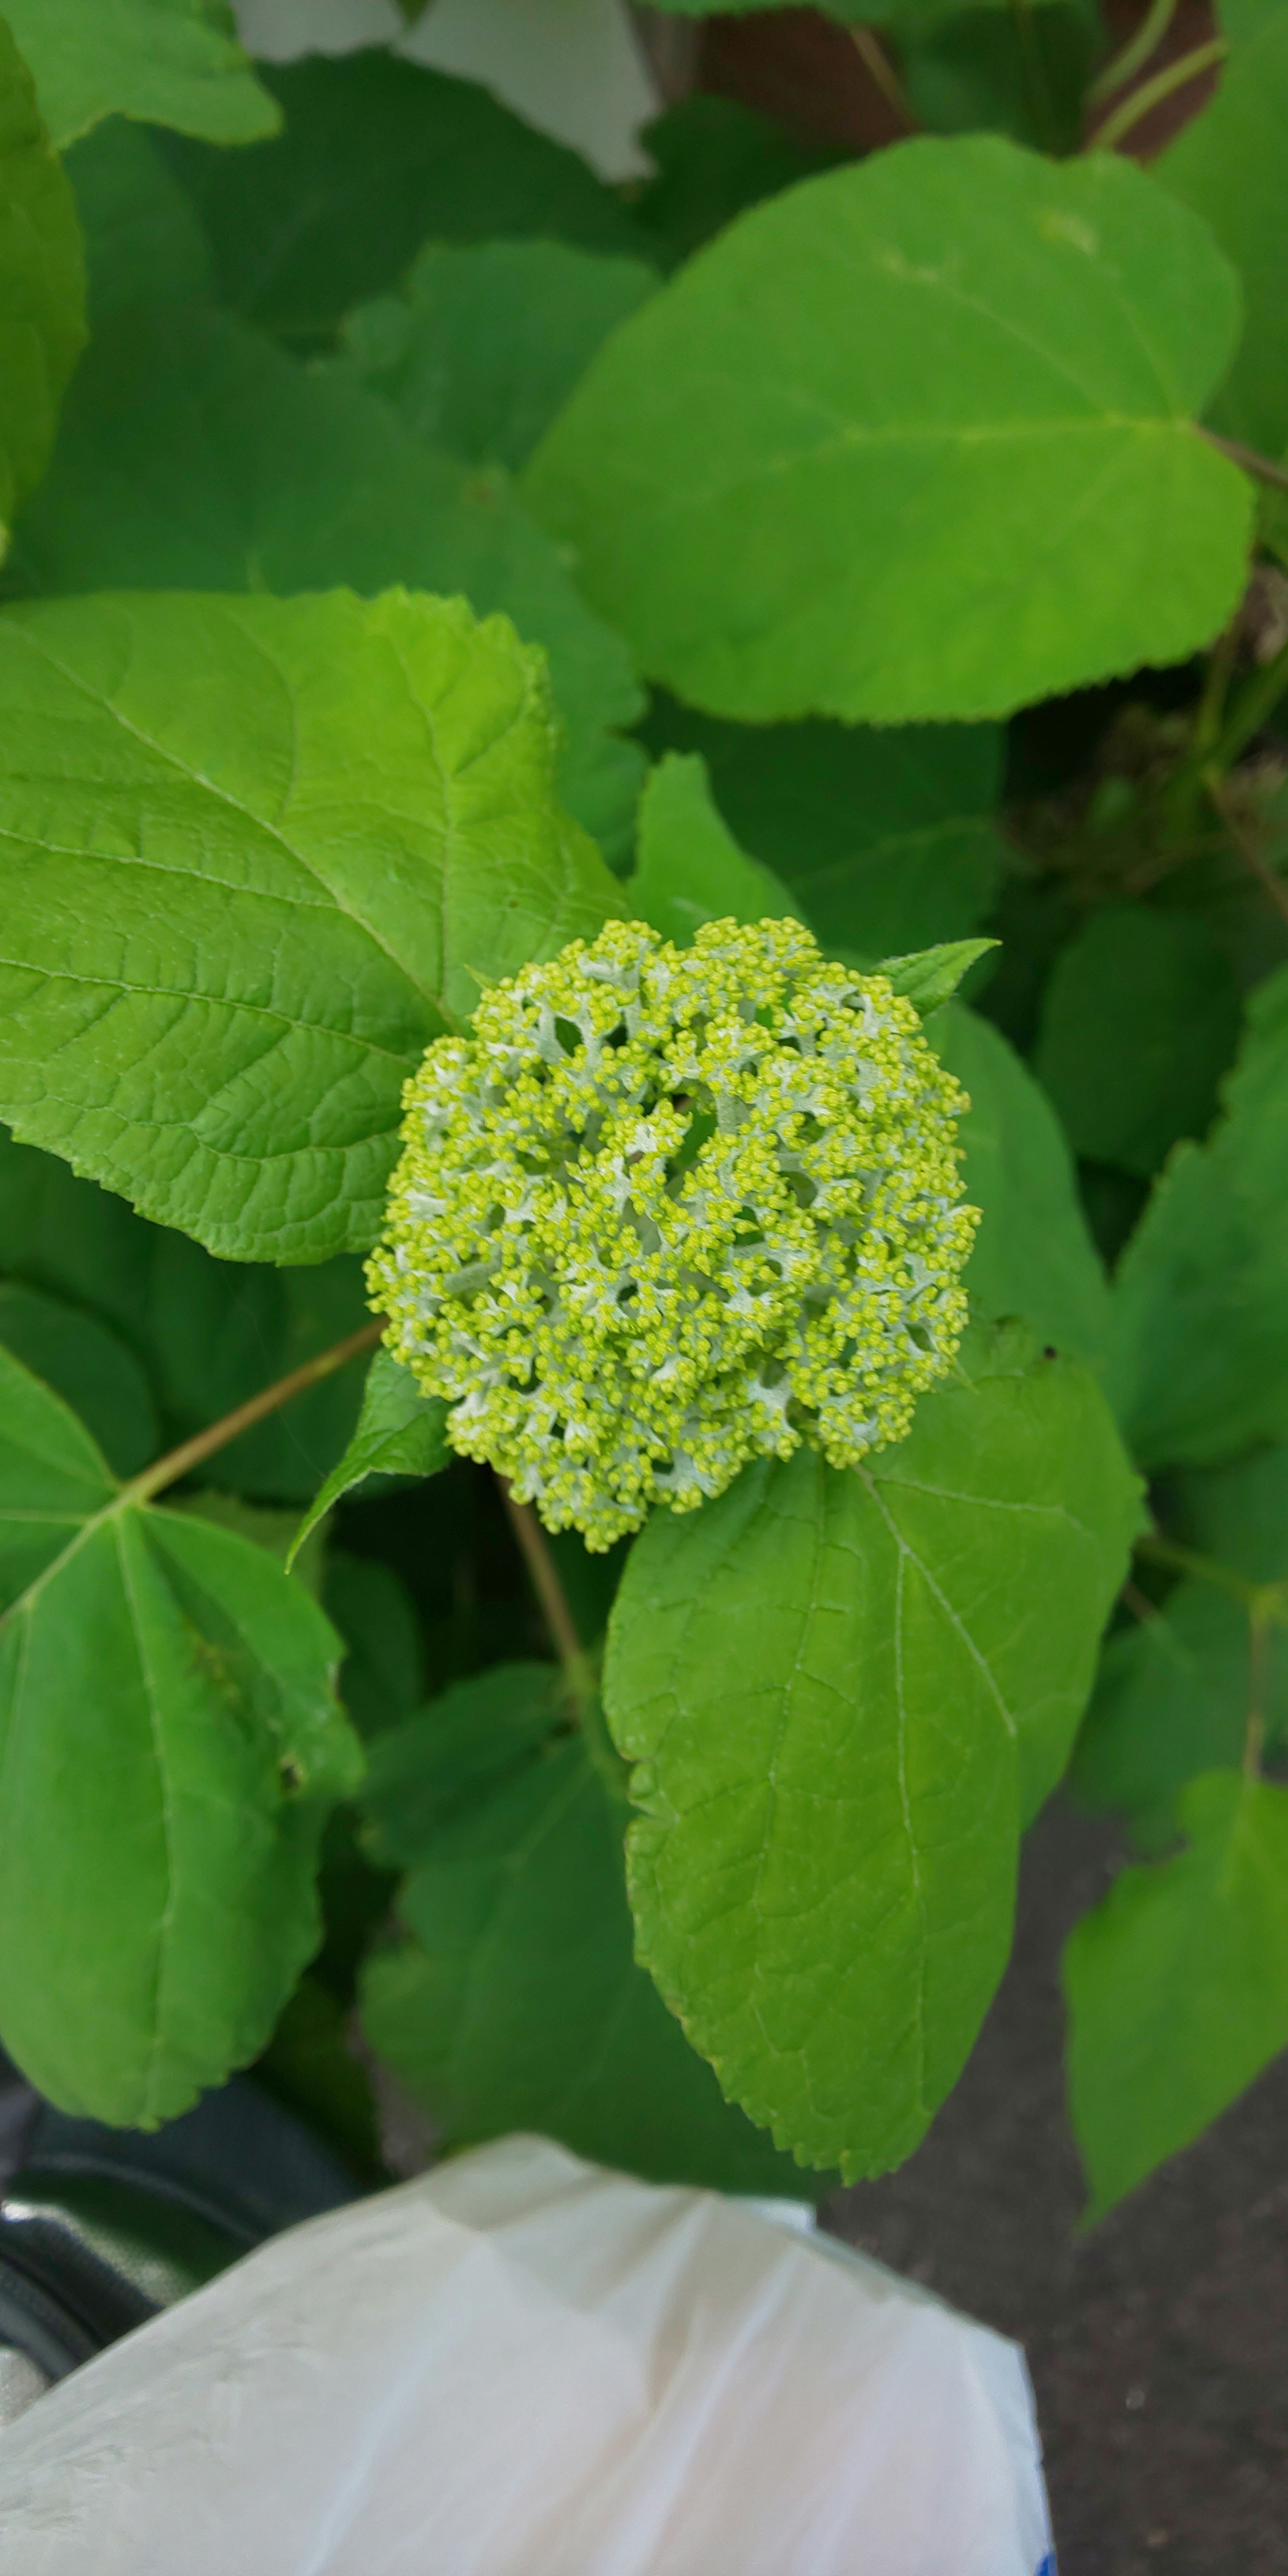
(1178, 1984)
(937, 458)
(400, 1432)
(311, 716)
(266, 750)
(376, 157)
(169, 1742)
(1199, 1359)
(42, 285)
(484, 344)
(169, 62)
(822, 1877)
(517, 2002)
(1141, 1019)
(196, 456)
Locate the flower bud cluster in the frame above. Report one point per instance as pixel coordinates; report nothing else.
(668, 1210)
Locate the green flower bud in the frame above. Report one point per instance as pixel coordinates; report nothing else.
(668, 1210)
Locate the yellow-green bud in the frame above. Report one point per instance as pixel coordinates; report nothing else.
(668, 1210)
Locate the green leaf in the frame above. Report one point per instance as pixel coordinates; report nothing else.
(713, 159)
(1179, 1690)
(690, 868)
(1198, 1364)
(931, 976)
(168, 62)
(42, 286)
(92, 1371)
(824, 1871)
(370, 784)
(517, 2003)
(485, 342)
(1229, 166)
(169, 1742)
(195, 456)
(433, 1770)
(264, 1527)
(377, 157)
(1140, 1021)
(1177, 1985)
(143, 243)
(382, 1678)
(914, 440)
(400, 1433)
(885, 839)
(1033, 1255)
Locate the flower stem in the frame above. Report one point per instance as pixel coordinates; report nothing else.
(543, 1573)
(1131, 110)
(1132, 57)
(193, 1453)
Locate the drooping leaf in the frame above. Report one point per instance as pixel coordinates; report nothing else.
(714, 158)
(823, 1873)
(517, 2003)
(169, 1741)
(168, 62)
(143, 243)
(1033, 1255)
(1198, 1364)
(485, 341)
(88, 1367)
(263, 1524)
(1228, 165)
(1177, 1985)
(885, 838)
(1179, 1690)
(914, 440)
(931, 976)
(42, 285)
(378, 156)
(196, 456)
(1140, 1020)
(689, 867)
(257, 853)
(400, 1432)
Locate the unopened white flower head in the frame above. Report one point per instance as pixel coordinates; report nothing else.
(668, 1210)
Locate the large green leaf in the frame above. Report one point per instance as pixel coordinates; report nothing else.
(169, 62)
(379, 156)
(1033, 1256)
(517, 2003)
(885, 839)
(42, 285)
(689, 867)
(256, 854)
(1229, 165)
(1199, 1355)
(914, 440)
(86, 1364)
(169, 1740)
(400, 1432)
(143, 243)
(1140, 1020)
(1178, 1985)
(824, 1871)
(486, 340)
(196, 456)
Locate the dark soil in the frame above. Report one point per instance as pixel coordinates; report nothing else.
(1158, 2342)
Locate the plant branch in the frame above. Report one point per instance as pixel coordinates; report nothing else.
(1204, 1569)
(1253, 705)
(1262, 468)
(543, 1573)
(1131, 110)
(193, 1453)
(1135, 53)
(872, 54)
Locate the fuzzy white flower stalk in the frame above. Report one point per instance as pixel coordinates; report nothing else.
(668, 1210)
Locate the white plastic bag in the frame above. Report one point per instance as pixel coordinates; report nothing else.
(524, 2366)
